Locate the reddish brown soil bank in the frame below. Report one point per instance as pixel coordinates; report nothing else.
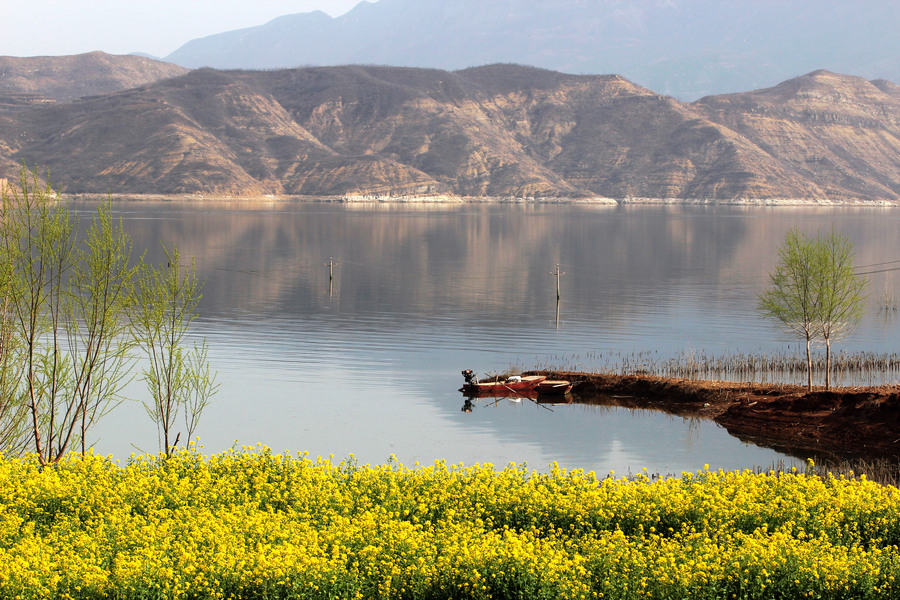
(852, 422)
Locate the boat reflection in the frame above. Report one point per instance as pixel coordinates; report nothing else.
(495, 396)
(514, 388)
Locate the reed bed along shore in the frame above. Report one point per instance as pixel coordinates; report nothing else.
(251, 524)
(848, 369)
(884, 471)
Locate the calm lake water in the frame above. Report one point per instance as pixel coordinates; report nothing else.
(370, 363)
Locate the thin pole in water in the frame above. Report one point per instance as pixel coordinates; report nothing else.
(330, 277)
(557, 274)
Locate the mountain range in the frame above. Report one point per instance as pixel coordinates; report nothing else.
(502, 130)
(682, 48)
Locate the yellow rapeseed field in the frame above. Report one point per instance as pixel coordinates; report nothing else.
(252, 524)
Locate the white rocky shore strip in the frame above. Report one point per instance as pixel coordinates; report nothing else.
(450, 199)
(623, 201)
(453, 199)
(761, 202)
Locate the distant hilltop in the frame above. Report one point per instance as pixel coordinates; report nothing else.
(682, 48)
(498, 131)
(41, 79)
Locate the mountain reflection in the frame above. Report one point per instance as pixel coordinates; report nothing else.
(490, 264)
(492, 261)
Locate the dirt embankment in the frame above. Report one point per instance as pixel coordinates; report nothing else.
(842, 423)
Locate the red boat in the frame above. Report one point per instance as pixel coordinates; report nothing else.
(511, 386)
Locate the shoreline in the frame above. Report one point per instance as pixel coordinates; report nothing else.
(843, 423)
(459, 200)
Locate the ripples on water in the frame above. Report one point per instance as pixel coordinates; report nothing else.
(370, 363)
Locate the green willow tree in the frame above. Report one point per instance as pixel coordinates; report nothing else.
(66, 297)
(13, 409)
(814, 292)
(74, 314)
(178, 379)
(841, 293)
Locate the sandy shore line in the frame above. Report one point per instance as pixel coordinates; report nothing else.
(450, 199)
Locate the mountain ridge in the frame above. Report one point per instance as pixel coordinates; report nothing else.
(499, 131)
(66, 78)
(683, 48)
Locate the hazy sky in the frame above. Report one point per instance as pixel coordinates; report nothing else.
(156, 27)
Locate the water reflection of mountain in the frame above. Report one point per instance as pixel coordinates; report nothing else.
(490, 260)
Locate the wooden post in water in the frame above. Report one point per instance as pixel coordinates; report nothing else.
(557, 274)
(330, 277)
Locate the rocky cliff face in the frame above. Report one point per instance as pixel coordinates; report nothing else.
(839, 133)
(501, 130)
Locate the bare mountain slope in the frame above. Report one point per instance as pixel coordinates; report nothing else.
(500, 130)
(839, 131)
(64, 78)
